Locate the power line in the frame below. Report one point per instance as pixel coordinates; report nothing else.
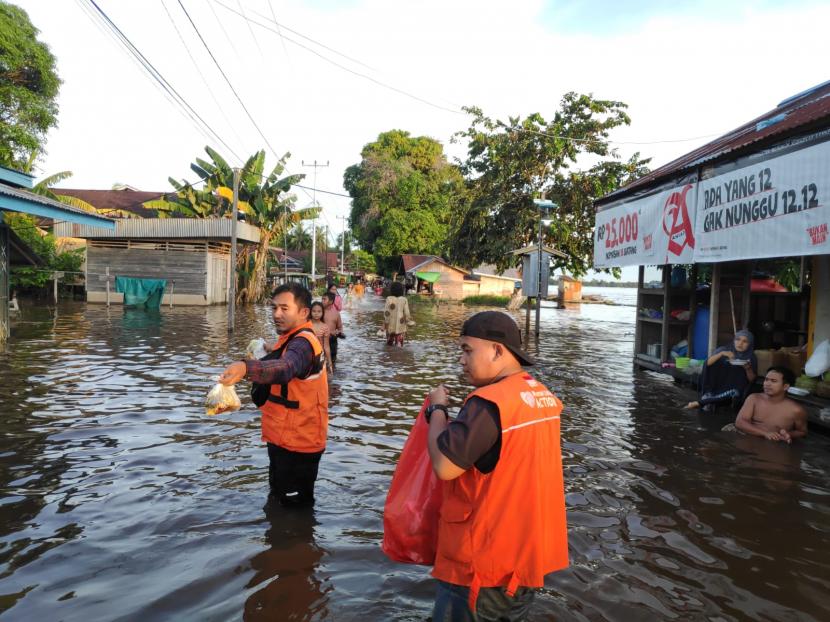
(106, 31)
(198, 69)
(251, 30)
(307, 38)
(219, 67)
(343, 67)
(157, 76)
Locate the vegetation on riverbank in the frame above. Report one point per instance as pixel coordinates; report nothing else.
(487, 301)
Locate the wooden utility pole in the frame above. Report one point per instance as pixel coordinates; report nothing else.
(314, 221)
(232, 287)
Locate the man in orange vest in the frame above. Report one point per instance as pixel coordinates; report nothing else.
(502, 526)
(291, 390)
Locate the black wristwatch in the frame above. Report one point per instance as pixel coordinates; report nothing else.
(432, 408)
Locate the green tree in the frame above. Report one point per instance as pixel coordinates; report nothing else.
(298, 238)
(510, 163)
(29, 87)
(360, 260)
(403, 194)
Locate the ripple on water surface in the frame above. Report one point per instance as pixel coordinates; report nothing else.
(121, 500)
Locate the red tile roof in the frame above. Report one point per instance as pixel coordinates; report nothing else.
(804, 112)
(125, 200)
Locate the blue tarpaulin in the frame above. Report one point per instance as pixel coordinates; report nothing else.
(141, 292)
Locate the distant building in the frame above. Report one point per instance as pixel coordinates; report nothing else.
(433, 274)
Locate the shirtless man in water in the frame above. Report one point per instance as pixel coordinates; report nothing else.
(771, 414)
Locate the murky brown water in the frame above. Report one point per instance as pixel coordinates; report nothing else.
(122, 501)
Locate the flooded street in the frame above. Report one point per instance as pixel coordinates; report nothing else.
(121, 500)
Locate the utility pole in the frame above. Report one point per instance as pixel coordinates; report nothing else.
(314, 221)
(285, 244)
(232, 288)
(542, 205)
(343, 245)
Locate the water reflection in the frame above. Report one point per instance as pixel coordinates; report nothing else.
(121, 500)
(285, 584)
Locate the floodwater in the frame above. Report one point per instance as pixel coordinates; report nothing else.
(121, 500)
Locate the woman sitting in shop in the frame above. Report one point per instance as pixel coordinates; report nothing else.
(728, 373)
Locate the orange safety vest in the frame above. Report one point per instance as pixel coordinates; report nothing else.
(295, 415)
(507, 527)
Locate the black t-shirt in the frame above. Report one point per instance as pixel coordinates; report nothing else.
(473, 438)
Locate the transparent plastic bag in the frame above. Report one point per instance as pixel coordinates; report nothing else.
(222, 399)
(256, 349)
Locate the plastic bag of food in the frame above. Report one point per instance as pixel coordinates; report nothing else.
(820, 360)
(256, 349)
(413, 503)
(222, 399)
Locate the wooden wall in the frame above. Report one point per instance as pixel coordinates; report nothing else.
(187, 267)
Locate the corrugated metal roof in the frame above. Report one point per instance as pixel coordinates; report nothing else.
(805, 111)
(31, 197)
(161, 229)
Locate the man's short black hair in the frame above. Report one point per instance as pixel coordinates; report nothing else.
(302, 297)
(330, 296)
(396, 289)
(786, 373)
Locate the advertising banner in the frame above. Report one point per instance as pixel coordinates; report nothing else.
(776, 208)
(657, 229)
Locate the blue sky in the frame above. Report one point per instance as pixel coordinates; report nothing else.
(615, 16)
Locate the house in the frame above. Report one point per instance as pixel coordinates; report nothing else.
(434, 275)
(453, 283)
(757, 196)
(191, 254)
(15, 196)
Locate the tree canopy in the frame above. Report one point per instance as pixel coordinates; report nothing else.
(403, 194)
(29, 86)
(510, 163)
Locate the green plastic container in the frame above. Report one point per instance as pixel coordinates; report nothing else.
(681, 362)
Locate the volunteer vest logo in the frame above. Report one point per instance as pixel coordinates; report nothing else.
(528, 398)
(676, 222)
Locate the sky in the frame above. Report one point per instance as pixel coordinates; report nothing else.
(322, 78)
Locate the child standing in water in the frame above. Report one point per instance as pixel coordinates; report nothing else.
(396, 315)
(321, 331)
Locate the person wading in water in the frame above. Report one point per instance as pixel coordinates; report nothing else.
(291, 390)
(502, 525)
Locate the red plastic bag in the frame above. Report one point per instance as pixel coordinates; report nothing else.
(410, 516)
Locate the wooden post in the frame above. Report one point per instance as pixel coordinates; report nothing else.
(638, 331)
(55, 288)
(714, 309)
(232, 288)
(664, 327)
(690, 333)
(108, 285)
(172, 289)
(746, 297)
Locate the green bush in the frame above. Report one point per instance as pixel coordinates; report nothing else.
(487, 301)
(43, 244)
